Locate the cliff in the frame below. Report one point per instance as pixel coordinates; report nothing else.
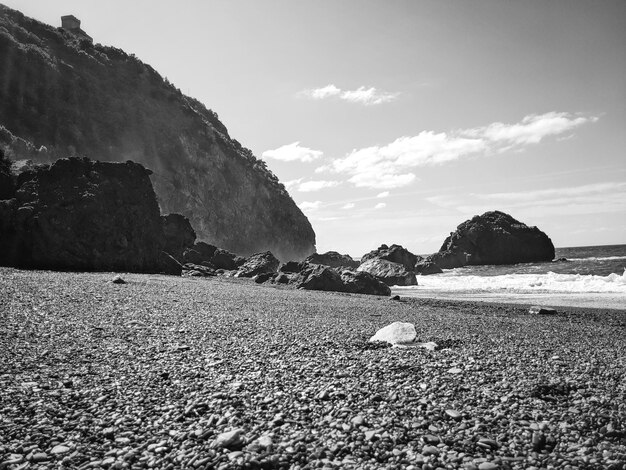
(62, 96)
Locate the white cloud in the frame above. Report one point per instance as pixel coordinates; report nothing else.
(310, 186)
(368, 96)
(310, 205)
(362, 95)
(380, 205)
(291, 184)
(382, 195)
(293, 152)
(321, 93)
(596, 198)
(349, 205)
(531, 130)
(392, 165)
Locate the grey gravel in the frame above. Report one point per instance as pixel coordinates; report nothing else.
(154, 373)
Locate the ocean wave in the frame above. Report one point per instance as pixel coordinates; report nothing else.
(523, 283)
(598, 258)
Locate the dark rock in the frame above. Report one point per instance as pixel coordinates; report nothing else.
(538, 441)
(199, 253)
(536, 310)
(82, 215)
(118, 280)
(392, 274)
(395, 297)
(198, 270)
(332, 259)
(395, 254)
(259, 263)
(169, 265)
(264, 277)
(223, 259)
(282, 278)
(493, 238)
(318, 277)
(292, 267)
(426, 268)
(7, 186)
(362, 282)
(550, 390)
(560, 260)
(179, 235)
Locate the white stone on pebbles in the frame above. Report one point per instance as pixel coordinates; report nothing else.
(396, 333)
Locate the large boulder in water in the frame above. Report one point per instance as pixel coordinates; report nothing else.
(259, 263)
(426, 268)
(79, 214)
(493, 238)
(392, 274)
(332, 259)
(395, 254)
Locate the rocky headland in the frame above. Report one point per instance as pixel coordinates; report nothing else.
(61, 95)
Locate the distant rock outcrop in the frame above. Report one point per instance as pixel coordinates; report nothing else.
(332, 259)
(392, 274)
(395, 254)
(61, 95)
(78, 214)
(493, 238)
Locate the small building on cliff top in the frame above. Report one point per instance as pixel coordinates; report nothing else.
(72, 24)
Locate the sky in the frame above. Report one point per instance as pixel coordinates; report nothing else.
(393, 121)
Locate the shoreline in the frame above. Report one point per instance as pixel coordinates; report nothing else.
(154, 372)
(601, 301)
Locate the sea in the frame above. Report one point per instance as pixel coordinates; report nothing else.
(584, 276)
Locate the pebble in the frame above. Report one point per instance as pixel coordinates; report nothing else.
(59, 449)
(488, 466)
(454, 414)
(40, 457)
(455, 370)
(232, 440)
(358, 420)
(430, 450)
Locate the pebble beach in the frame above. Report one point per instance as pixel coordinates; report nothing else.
(217, 373)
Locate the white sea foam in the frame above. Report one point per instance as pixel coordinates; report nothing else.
(601, 258)
(521, 283)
